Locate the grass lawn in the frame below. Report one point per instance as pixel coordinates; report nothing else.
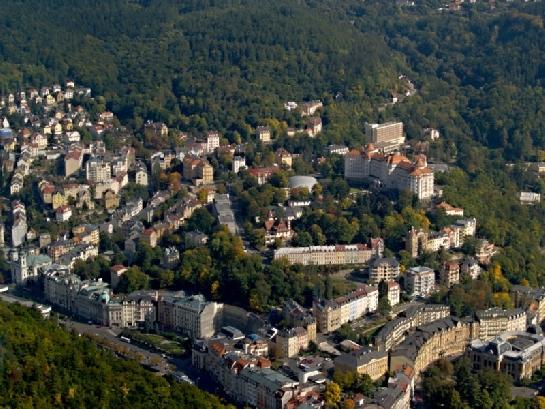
(158, 341)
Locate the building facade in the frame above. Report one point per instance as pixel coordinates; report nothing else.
(329, 255)
(383, 269)
(393, 171)
(420, 281)
(332, 314)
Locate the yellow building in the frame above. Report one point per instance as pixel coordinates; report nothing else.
(445, 338)
(363, 361)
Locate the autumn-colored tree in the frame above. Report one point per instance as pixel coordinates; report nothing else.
(332, 394)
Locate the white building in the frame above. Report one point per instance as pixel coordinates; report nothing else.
(239, 162)
(141, 176)
(387, 136)
(97, 170)
(212, 141)
(392, 171)
(393, 292)
(420, 281)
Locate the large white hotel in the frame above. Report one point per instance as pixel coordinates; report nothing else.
(393, 171)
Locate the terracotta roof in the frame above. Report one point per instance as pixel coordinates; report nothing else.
(421, 172)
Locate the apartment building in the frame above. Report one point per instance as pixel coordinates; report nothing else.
(191, 315)
(263, 134)
(394, 292)
(363, 361)
(239, 163)
(392, 171)
(395, 331)
(532, 300)
(98, 170)
(290, 342)
(329, 255)
(199, 171)
(383, 269)
(387, 136)
(297, 316)
(141, 175)
(420, 281)
(449, 274)
(212, 141)
(331, 314)
(92, 300)
(495, 321)
(245, 378)
(444, 338)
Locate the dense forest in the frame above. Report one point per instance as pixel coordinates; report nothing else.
(231, 64)
(43, 366)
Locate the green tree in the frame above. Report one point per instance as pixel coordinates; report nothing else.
(134, 279)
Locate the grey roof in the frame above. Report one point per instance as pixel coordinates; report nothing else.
(270, 379)
(360, 357)
(392, 262)
(295, 182)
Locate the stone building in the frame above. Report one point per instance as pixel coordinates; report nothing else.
(517, 354)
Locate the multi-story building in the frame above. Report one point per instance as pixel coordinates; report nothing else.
(313, 126)
(191, 315)
(263, 134)
(532, 300)
(239, 162)
(392, 171)
(331, 314)
(449, 274)
(197, 170)
(444, 338)
(387, 136)
(97, 170)
(421, 241)
(212, 141)
(470, 268)
(141, 175)
(92, 300)
(495, 321)
(245, 378)
(73, 160)
(395, 331)
(283, 158)
(517, 354)
(290, 342)
(420, 281)
(363, 361)
(383, 269)
(393, 292)
(297, 316)
(328, 255)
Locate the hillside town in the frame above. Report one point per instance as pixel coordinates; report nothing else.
(110, 231)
